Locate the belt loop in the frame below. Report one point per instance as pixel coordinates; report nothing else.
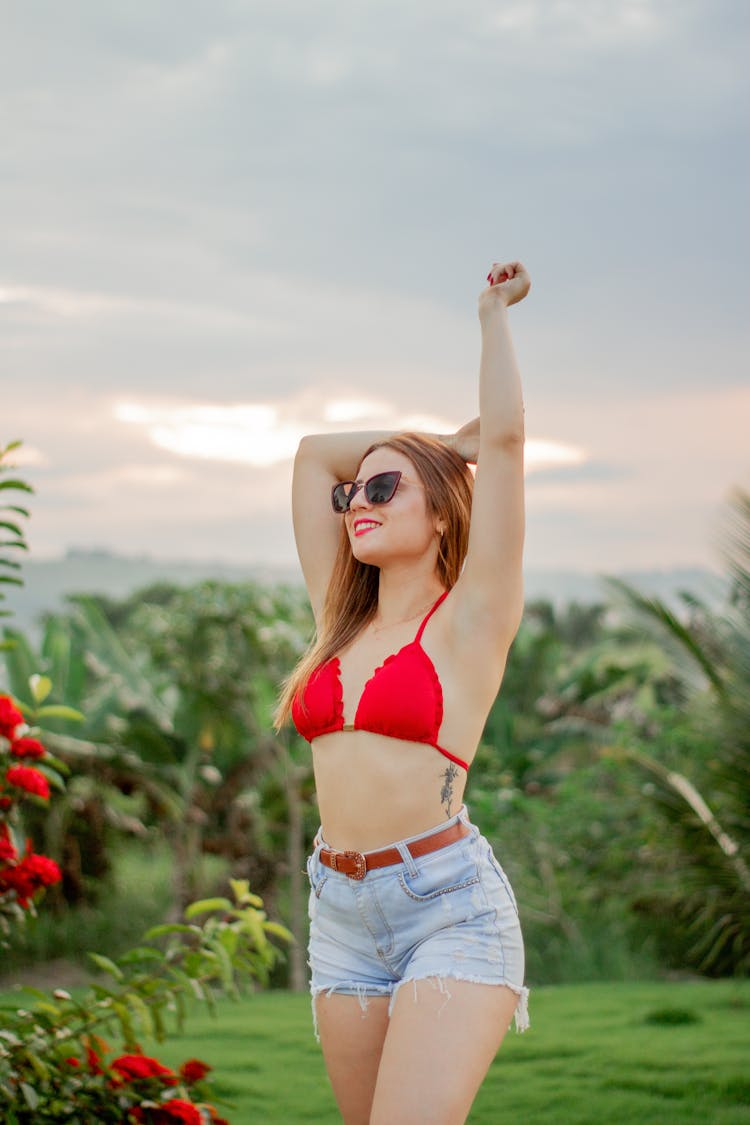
(408, 858)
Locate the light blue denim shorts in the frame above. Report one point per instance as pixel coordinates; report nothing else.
(447, 915)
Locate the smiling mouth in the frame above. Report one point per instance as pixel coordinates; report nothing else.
(361, 527)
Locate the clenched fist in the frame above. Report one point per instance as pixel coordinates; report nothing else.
(508, 283)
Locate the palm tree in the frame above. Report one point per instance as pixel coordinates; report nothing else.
(10, 526)
(704, 799)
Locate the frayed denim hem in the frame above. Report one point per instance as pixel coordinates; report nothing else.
(363, 992)
(440, 981)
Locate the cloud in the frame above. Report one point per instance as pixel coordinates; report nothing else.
(289, 210)
(263, 434)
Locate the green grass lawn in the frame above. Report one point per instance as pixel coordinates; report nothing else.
(596, 1054)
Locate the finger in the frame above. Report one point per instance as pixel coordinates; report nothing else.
(510, 268)
(497, 274)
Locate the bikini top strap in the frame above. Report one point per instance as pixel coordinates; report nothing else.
(442, 597)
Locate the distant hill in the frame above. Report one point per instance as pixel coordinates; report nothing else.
(47, 582)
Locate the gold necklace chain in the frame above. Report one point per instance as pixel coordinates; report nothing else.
(377, 631)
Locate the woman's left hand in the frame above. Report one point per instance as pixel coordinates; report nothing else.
(508, 283)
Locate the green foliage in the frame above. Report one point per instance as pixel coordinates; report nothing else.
(147, 988)
(697, 761)
(133, 894)
(11, 531)
(613, 780)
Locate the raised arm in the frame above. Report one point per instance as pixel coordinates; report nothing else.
(489, 594)
(321, 461)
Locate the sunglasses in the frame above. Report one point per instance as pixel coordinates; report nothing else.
(378, 489)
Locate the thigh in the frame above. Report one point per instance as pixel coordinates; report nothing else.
(442, 1037)
(351, 1036)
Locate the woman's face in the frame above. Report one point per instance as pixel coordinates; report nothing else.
(397, 531)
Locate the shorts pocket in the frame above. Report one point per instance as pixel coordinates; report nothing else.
(316, 874)
(433, 880)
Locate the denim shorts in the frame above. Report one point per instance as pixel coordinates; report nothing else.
(449, 914)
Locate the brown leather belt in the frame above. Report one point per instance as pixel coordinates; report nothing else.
(357, 864)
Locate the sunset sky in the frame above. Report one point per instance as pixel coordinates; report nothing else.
(226, 224)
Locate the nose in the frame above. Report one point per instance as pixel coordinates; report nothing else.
(359, 501)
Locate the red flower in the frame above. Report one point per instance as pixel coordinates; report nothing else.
(94, 1060)
(7, 849)
(27, 748)
(27, 876)
(132, 1067)
(26, 777)
(194, 1070)
(10, 716)
(42, 868)
(73, 1061)
(179, 1110)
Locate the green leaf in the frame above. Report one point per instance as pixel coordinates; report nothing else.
(279, 930)
(35, 991)
(229, 939)
(40, 1066)
(242, 893)
(30, 1094)
(59, 711)
(40, 686)
(46, 1006)
(52, 776)
(160, 1030)
(15, 483)
(56, 764)
(14, 527)
(205, 904)
(170, 928)
(126, 1024)
(142, 1013)
(107, 966)
(15, 508)
(141, 953)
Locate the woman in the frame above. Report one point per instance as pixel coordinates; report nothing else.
(410, 575)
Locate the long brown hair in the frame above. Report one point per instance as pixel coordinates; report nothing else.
(352, 596)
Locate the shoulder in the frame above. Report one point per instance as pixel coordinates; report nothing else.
(478, 630)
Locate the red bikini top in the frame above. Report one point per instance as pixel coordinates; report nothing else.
(402, 699)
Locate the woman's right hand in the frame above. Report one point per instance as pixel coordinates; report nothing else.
(466, 441)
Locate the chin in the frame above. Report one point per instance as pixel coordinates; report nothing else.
(363, 555)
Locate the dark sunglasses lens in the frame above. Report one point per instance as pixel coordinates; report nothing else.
(381, 488)
(341, 496)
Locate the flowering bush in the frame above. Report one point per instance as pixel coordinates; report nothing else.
(23, 873)
(53, 1062)
(130, 1088)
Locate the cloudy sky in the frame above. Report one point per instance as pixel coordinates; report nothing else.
(228, 223)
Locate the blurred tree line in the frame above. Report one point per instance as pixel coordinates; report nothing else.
(613, 776)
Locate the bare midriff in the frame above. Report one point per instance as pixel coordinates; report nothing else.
(373, 790)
